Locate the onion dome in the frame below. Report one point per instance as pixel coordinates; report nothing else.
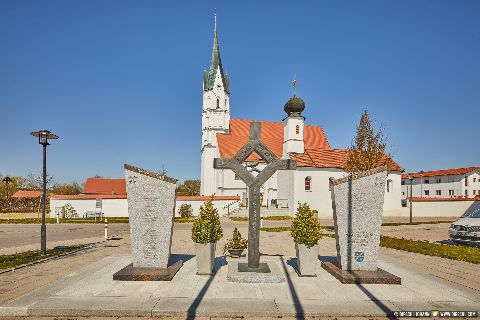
(294, 106)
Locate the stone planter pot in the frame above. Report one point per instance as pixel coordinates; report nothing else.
(307, 260)
(205, 254)
(357, 204)
(235, 253)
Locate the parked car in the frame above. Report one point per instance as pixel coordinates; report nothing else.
(467, 228)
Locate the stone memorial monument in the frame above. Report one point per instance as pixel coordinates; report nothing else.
(254, 183)
(151, 207)
(357, 202)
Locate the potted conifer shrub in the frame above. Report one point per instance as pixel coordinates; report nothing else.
(235, 245)
(306, 233)
(206, 231)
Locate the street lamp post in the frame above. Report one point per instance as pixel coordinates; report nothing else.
(43, 137)
(421, 184)
(410, 177)
(7, 180)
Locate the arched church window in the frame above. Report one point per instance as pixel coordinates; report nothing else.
(297, 129)
(308, 184)
(389, 185)
(218, 103)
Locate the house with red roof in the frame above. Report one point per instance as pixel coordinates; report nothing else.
(317, 161)
(445, 183)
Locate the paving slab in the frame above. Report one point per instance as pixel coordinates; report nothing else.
(92, 292)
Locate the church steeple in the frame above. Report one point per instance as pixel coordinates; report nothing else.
(216, 63)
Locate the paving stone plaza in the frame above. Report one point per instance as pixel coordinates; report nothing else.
(92, 291)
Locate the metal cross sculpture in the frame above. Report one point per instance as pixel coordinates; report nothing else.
(254, 184)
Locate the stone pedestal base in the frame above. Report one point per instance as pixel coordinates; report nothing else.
(268, 272)
(361, 277)
(129, 273)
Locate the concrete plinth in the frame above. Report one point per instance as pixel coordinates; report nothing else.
(379, 276)
(131, 273)
(268, 272)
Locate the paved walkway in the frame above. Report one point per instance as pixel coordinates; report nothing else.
(91, 290)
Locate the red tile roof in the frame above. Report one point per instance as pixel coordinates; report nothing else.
(477, 198)
(331, 158)
(27, 194)
(205, 198)
(271, 134)
(89, 196)
(446, 172)
(123, 196)
(105, 186)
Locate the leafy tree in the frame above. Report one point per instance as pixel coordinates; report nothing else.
(206, 227)
(368, 148)
(67, 188)
(185, 210)
(68, 211)
(305, 227)
(17, 182)
(189, 188)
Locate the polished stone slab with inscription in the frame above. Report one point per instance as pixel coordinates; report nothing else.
(151, 207)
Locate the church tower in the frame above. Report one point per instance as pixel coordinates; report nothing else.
(215, 115)
(293, 125)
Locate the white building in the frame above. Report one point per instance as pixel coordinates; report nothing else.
(223, 136)
(109, 197)
(449, 183)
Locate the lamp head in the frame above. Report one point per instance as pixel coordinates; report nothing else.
(44, 136)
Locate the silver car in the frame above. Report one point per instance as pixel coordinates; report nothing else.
(466, 229)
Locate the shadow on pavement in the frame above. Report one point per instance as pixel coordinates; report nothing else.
(218, 263)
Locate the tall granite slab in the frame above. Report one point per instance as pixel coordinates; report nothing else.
(151, 208)
(357, 203)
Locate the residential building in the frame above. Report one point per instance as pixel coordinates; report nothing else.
(449, 183)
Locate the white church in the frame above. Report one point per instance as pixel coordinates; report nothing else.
(223, 136)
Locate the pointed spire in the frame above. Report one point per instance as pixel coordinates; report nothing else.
(216, 62)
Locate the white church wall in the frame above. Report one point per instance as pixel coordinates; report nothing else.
(392, 205)
(319, 197)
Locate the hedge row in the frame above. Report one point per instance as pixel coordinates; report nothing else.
(17, 259)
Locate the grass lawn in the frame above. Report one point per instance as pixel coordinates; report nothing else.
(17, 259)
(66, 220)
(183, 220)
(461, 253)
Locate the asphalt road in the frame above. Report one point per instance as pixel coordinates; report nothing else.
(15, 235)
(18, 235)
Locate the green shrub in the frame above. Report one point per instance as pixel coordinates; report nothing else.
(183, 220)
(236, 242)
(68, 211)
(277, 218)
(185, 210)
(305, 228)
(275, 229)
(206, 227)
(239, 219)
(462, 253)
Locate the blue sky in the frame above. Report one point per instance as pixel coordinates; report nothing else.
(121, 81)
